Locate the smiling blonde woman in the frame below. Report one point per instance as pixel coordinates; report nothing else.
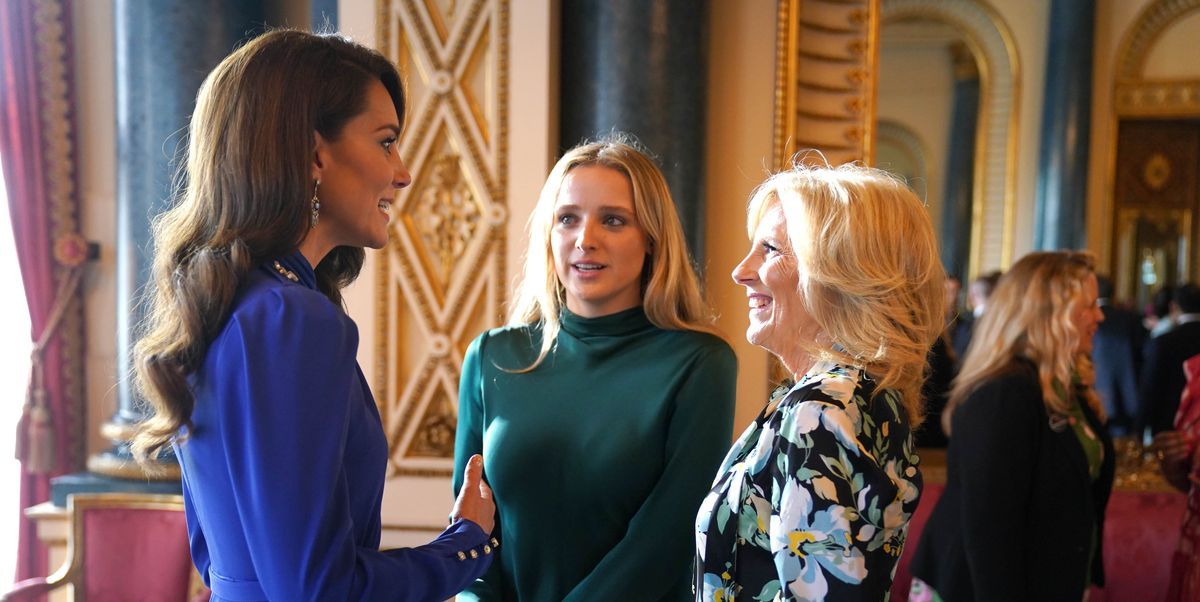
(844, 286)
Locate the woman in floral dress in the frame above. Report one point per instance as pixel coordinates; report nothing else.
(845, 289)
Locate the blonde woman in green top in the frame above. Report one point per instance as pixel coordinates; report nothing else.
(604, 407)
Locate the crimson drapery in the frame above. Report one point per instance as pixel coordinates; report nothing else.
(37, 151)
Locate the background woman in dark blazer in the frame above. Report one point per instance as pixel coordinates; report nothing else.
(1030, 465)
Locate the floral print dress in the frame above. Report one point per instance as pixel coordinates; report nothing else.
(813, 500)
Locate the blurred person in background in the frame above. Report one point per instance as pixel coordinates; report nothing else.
(1030, 465)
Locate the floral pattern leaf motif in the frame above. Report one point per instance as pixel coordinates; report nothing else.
(821, 506)
(755, 530)
(806, 474)
(768, 592)
(722, 517)
(823, 487)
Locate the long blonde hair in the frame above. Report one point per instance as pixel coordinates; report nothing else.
(670, 293)
(1029, 316)
(245, 198)
(867, 270)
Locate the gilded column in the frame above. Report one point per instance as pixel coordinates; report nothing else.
(1066, 115)
(640, 66)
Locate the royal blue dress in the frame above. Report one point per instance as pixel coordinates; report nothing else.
(283, 469)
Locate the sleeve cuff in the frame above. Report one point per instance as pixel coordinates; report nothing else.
(470, 540)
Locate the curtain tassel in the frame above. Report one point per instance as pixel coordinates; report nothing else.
(40, 456)
(35, 431)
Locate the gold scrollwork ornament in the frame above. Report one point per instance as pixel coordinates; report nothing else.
(1156, 172)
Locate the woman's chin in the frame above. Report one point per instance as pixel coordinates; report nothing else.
(757, 334)
(378, 242)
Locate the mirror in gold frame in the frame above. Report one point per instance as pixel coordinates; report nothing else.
(928, 49)
(928, 110)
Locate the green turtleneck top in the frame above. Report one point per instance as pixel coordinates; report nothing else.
(598, 459)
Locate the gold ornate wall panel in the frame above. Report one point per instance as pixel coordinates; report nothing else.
(826, 58)
(1152, 162)
(1150, 98)
(827, 62)
(1137, 96)
(441, 280)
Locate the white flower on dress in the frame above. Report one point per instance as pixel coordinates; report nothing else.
(839, 386)
(757, 460)
(804, 542)
(824, 499)
(802, 420)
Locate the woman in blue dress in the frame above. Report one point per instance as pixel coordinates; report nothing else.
(248, 357)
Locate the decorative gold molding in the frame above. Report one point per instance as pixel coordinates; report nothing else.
(1157, 98)
(435, 433)
(826, 56)
(1141, 37)
(445, 257)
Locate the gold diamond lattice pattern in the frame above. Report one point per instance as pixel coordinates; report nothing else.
(446, 214)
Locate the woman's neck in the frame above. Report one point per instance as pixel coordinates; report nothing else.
(798, 364)
(314, 249)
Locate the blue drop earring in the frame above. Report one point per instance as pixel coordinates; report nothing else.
(316, 205)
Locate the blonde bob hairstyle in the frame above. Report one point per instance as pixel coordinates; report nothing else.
(1029, 316)
(867, 270)
(670, 291)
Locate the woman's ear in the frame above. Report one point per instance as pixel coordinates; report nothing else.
(320, 147)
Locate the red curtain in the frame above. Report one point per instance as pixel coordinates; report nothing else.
(37, 150)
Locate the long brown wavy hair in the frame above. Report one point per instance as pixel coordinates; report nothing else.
(243, 199)
(1029, 316)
